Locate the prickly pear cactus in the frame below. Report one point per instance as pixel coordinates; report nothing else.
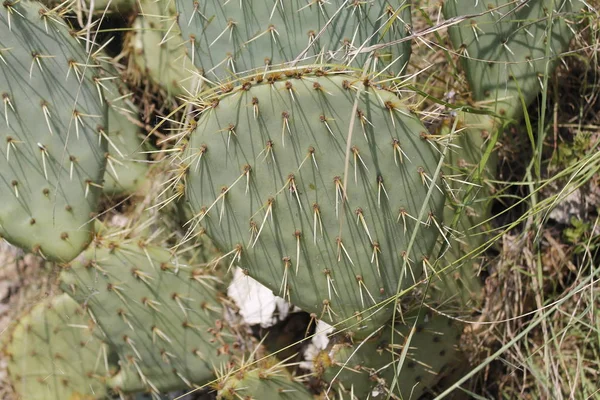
(368, 368)
(53, 354)
(508, 50)
(52, 155)
(267, 379)
(161, 315)
(159, 50)
(323, 219)
(229, 38)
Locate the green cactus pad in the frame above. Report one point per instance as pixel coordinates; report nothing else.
(468, 209)
(53, 354)
(368, 368)
(52, 156)
(265, 179)
(266, 379)
(162, 317)
(159, 50)
(126, 167)
(233, 37)
(505, 50)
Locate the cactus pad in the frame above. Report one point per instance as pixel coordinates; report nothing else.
(368, 368)
(158, 48)
(227, 38)
(53, 355)
(266, 182)
(162, 317)
(267, 379)
(52, 155)
(126, 167)
(506, 50)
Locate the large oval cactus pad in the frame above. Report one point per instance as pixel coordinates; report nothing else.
(266, 182)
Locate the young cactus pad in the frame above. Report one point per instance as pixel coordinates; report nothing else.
(52, 353)
(126, 167)
(52, 155)
(508, 50)
(162, 317)
(322, 219)
(267, 379)
(368, 368)
(227, 38)
(159, 50)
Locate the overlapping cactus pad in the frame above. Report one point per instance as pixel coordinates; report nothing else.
(510, 47)
(226, 38)
(162, 317)
(266, 379)
(405, 359)
(158, 48)
(53, 354)
(52, 155)
(126, 167)
(321, 218)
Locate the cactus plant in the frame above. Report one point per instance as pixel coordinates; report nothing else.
(226, 39)
(95, 6)
(53, 153)
(162, 317)
(423, 350)
(53, 353)
(318, 182)
(267, 179)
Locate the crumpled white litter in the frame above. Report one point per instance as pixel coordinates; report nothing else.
(256, 302)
